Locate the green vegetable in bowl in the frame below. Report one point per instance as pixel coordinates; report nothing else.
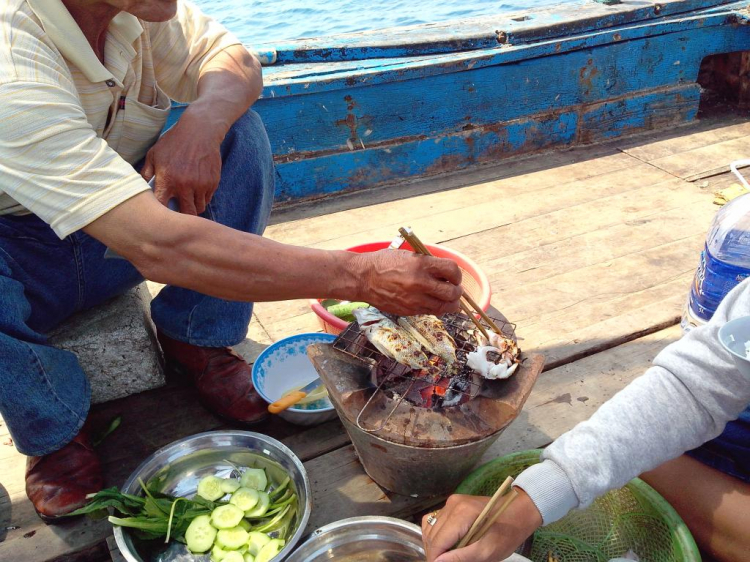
(232, 539)
(226, 516)
(256, 542)
(344, 310)
(253, 525)
(270, 551)
(200, 534)
(264, 502)
(210, 488)
(254, 478)
(245, 498)
(229, 485)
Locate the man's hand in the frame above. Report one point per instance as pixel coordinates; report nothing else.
(406, 283)
(513, 527)
(186, 161)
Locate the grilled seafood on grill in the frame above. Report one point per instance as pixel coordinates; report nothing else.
(390, 339)
(495, 359)
(429, 331)
(444, 355)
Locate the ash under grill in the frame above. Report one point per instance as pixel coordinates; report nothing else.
(434, 407)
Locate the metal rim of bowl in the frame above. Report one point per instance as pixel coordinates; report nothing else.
(322, 337)
(180, 443)
(369, 520)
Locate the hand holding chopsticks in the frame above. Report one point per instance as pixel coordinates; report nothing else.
(420, 248)
(490, 514)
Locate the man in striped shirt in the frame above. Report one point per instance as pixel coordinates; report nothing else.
(85, 92)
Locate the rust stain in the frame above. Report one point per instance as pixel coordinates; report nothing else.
(586, 76)
(447, 163)
(349, 122)
(378, 447)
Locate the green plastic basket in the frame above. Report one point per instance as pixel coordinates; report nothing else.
(633, 518)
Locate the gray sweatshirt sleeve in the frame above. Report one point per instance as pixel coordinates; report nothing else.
(685, 399)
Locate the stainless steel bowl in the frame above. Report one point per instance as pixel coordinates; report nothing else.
(181, 465)
(363, 539)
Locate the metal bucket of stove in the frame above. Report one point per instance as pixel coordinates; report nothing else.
(421, 435)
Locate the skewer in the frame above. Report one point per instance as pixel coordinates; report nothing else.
(481, 519)
(420, 248)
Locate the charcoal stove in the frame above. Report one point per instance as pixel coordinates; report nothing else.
(420, 433)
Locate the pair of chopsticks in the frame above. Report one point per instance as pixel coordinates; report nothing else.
(489, 514)
(408, 235)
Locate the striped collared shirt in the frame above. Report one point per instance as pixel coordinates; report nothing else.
(71, 128)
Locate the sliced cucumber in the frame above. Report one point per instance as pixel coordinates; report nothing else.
(231, 539)
(234, 556)
(245, 524)
(249, 557)
(200, 534)
(254, 478)
(218, 554)
(270, 551)
(210, 488)
(264, 500)
(226, 516)
(245, 498)
(256, 541)
(229, 485)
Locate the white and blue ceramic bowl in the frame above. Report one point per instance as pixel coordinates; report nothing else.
(285, 365)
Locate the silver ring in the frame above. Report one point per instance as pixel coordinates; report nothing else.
(432, 519)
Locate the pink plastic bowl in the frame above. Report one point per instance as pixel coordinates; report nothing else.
(474, 281)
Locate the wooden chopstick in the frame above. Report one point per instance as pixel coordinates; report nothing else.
(416, 243)
(479, 535)
(482, 313)
(480, 520)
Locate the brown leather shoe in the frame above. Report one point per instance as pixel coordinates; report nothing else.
(59, 482)
(223, 380)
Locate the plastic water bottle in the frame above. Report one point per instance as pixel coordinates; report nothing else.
(725, 260)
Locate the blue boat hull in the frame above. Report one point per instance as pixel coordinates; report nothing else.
(370, 111)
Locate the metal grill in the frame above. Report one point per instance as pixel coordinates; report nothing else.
(437, 387)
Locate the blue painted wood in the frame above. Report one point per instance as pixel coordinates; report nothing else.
(350, 125)
(332, 76)
(353, 118)
(334, 173)
(483, 32)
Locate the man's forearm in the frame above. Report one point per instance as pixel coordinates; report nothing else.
(215, 260)
(229, 84)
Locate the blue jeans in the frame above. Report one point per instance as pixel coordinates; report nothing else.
(730, 451)
(44, 394)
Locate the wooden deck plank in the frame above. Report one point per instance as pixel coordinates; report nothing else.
(652, 146)
(705, 161)
(462, 212)
(536, 264)
(330, 231)
(562, 398)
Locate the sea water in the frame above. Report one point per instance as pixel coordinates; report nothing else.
(268, 21)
